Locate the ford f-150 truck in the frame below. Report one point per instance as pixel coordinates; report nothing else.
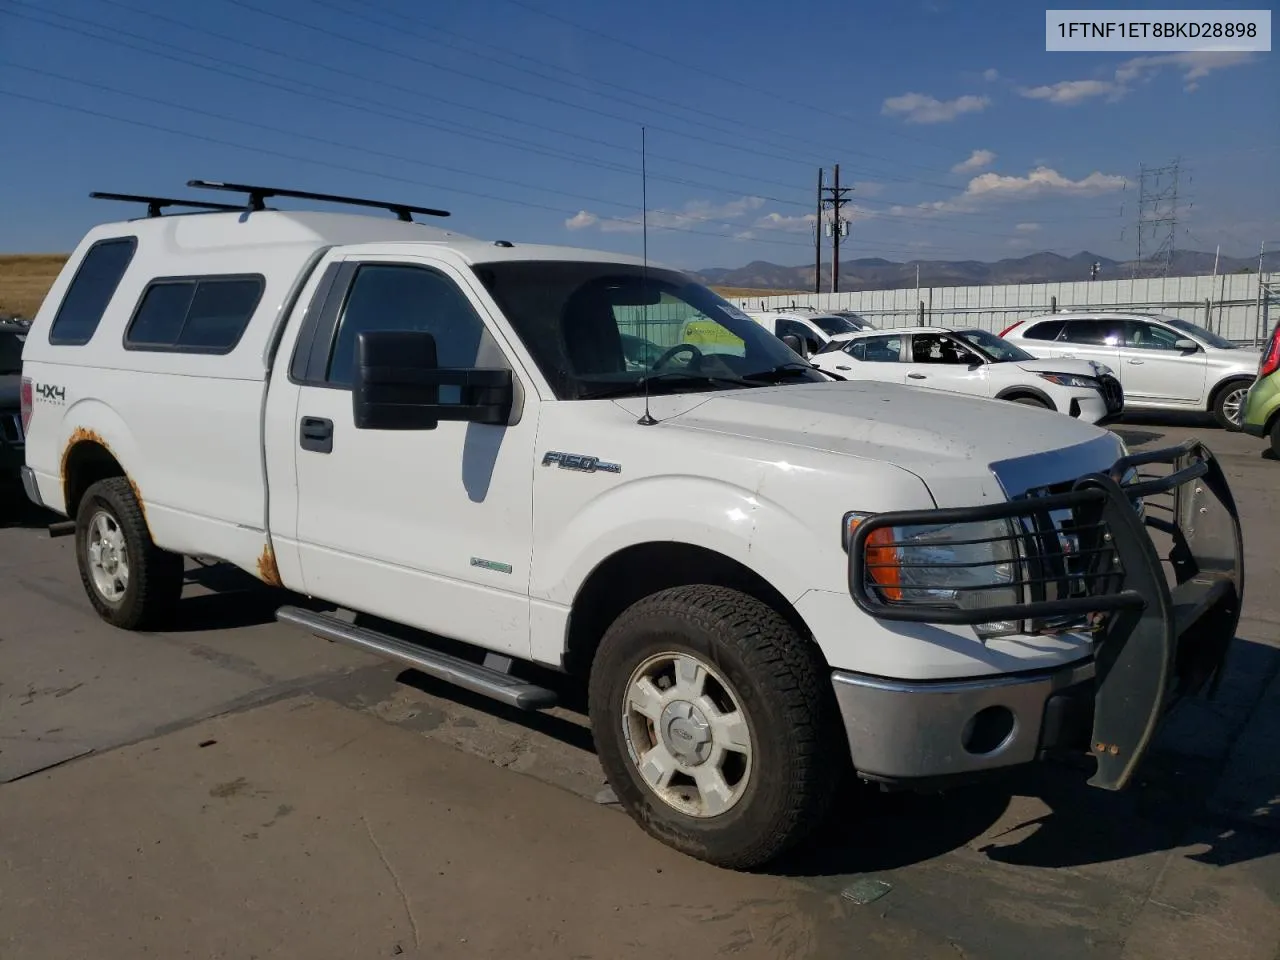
(765, 578)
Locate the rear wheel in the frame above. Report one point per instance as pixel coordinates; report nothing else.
(130, 581)
(1275, 437)
(715, 724)
(1228, 405)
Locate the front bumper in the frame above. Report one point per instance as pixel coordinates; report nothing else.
(1085, 562)
(901, 731)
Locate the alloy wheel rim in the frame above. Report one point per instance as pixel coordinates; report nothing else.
(687, 734)
(108, 557)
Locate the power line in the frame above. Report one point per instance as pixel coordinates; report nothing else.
(826, 114)
(370, 173)
(377, 107)
(788, 144)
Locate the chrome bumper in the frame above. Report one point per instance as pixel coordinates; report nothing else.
(917, 730)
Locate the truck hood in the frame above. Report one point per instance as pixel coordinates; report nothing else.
(965, 449)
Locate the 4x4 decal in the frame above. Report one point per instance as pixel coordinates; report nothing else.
(50, 393)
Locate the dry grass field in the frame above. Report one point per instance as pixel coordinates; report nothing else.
(24, 280)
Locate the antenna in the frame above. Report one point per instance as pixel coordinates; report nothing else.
(647, 420)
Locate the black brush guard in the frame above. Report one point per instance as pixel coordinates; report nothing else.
(1087, 562)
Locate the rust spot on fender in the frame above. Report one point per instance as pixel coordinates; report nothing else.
(79, 435)
(267, 571)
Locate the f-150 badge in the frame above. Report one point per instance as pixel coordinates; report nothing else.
(578, 461)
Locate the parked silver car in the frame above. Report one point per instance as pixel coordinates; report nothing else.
(1163, 362)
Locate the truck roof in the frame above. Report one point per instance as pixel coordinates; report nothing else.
(197, 233)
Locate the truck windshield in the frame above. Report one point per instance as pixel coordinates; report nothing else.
(610, 329)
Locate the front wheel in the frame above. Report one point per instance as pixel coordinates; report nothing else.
(1228, 406)
(130, 581)
(715, 724)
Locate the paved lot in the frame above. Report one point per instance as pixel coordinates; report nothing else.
(238, 789)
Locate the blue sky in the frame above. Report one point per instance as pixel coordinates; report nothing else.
(962, 137)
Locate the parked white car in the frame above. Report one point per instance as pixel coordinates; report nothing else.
(812, 330)
(974, 362)
(762, 577)
(1163, 362)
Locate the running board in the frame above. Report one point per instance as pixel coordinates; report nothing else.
(475, 677)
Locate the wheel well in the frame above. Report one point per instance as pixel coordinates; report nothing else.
(1232, 380)
(1031, 393)
(641, 570)
(85, 464)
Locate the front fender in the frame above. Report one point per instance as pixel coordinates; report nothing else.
(717, 515)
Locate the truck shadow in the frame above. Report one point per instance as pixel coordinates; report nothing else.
(219, 596)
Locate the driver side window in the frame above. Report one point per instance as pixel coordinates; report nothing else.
(936, 348)
(1149, 336)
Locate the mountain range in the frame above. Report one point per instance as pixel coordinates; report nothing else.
(876, 273)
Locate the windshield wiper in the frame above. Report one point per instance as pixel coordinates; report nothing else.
(671, 377)
(785, 371)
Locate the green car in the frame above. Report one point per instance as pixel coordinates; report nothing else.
(1261, 416)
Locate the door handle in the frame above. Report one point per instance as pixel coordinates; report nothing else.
(917, 376)
(316, 434)
(1135, 362)
(838, 367)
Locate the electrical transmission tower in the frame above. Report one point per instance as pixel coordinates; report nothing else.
(1157, 219)
(831, 198)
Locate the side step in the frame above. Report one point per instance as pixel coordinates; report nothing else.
(470, 676)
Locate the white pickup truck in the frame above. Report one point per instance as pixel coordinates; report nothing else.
(763, 576)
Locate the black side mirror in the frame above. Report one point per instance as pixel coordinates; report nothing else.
(792, 341)
(397, 385)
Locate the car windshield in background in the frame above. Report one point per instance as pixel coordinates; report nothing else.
(831, 324)
(610, 329)
(994, 348)
(10, 352)
(1198, 331)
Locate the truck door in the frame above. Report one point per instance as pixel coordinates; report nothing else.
(430, 528)
(943, 363)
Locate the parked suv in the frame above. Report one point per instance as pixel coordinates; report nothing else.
(808, 332)
(763, 576)
(978, 363)
(1164, 363)
(1262, 405)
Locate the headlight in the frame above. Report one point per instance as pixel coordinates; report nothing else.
(1069, 380)
(964, 565)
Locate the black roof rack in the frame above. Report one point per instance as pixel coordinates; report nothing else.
(157, 204)
(257, 195)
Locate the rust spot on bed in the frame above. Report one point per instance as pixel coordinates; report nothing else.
(267, 571)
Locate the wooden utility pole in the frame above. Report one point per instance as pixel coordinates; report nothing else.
(817, 241)
(839, 226)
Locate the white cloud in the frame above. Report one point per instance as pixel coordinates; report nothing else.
(1027, 227)
(581, 220)
(991, 74)
(1070, 92)
(1041, 182)
(921, 108)
(786, 224)
(977, 160)
(693, 213)
(1194, 65)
